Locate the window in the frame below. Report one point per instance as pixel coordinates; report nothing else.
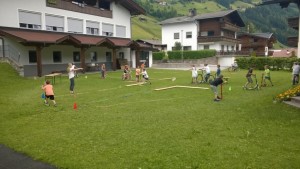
(93, 56)
(32, 56)
(176, 35)
(75, 25)
(107, 29)
(204, 33)
(120, 31)
(56, 56)
(54, 23)
(121, 55)
(206, 46)
(188, 35)
(187, 48)
(104, 4)
(92, 28)
(92, 31)
(210, 33)
(30, 20)
(108, 56)
(76, 56)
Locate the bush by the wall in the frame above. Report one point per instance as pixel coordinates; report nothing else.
(177, 55)
(259, 62)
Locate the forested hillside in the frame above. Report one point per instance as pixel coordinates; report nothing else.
(269, 18)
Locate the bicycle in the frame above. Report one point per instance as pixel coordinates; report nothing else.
(203, 78)
(233, 69)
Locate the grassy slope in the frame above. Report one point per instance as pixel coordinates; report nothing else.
(136, 127)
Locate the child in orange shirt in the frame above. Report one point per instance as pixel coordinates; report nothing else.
(48, 88)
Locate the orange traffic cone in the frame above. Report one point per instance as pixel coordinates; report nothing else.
(75, 106)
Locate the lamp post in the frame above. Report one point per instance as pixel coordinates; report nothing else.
(182, 46)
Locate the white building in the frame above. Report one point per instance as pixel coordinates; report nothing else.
(216, 31)
(42, 36)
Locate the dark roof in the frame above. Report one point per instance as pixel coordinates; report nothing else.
(41, 37)
(266, 35)
(151, 41)
(231, 13)
(132, 6)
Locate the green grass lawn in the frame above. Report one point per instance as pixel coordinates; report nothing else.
(118, 127)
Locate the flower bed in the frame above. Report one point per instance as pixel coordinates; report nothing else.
(286, 96)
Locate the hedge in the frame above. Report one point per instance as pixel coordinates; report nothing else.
(260, 62)
(177, 55)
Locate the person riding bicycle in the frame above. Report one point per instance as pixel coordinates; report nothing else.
(234, 66)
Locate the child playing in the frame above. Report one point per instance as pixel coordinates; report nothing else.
(145, 76)
(214, 86)
(207, 72)
(194, 74)
(218, 71)
(249, 79)
(137, 74)
(48, 88)
(266, 75)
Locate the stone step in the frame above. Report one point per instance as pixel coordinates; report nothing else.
(295, 99)
(292, 104)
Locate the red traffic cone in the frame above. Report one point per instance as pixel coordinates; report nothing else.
(75, 106)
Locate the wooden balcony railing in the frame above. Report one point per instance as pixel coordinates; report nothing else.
(292, 41)
(202, 39)
(254, 44)
(68, 5)
(229, 26)
(293, 22)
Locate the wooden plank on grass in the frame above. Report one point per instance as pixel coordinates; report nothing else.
(193, 87)
(165, 88)
(135, 84)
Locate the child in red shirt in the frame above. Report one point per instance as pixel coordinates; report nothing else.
(48, 88)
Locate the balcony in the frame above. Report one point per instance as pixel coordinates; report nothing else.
(203, 39)
(229, 26)
(294, 23)
(254, 44)
(292, 41)
(69, 6)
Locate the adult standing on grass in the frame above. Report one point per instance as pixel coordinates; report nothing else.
(71, 72)
(49, 94)
(296, 70)
(248, 77)
(214, 86)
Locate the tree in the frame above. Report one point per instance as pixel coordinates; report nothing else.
(177, 46)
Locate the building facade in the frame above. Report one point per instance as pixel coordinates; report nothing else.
(258, 44)
(44, 35)
(216, 30)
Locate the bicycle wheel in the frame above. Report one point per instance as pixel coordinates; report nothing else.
(200, 78)
(229, 69)
(210, 79)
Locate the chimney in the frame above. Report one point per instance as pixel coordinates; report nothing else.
(192, 12)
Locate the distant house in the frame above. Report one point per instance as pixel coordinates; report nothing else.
(156, 44)
(258, 43)
(216, 30)
(293, 23)
(289, 52)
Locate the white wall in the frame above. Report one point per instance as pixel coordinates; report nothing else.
(225, 61)
(169, 30)
(9, 16)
